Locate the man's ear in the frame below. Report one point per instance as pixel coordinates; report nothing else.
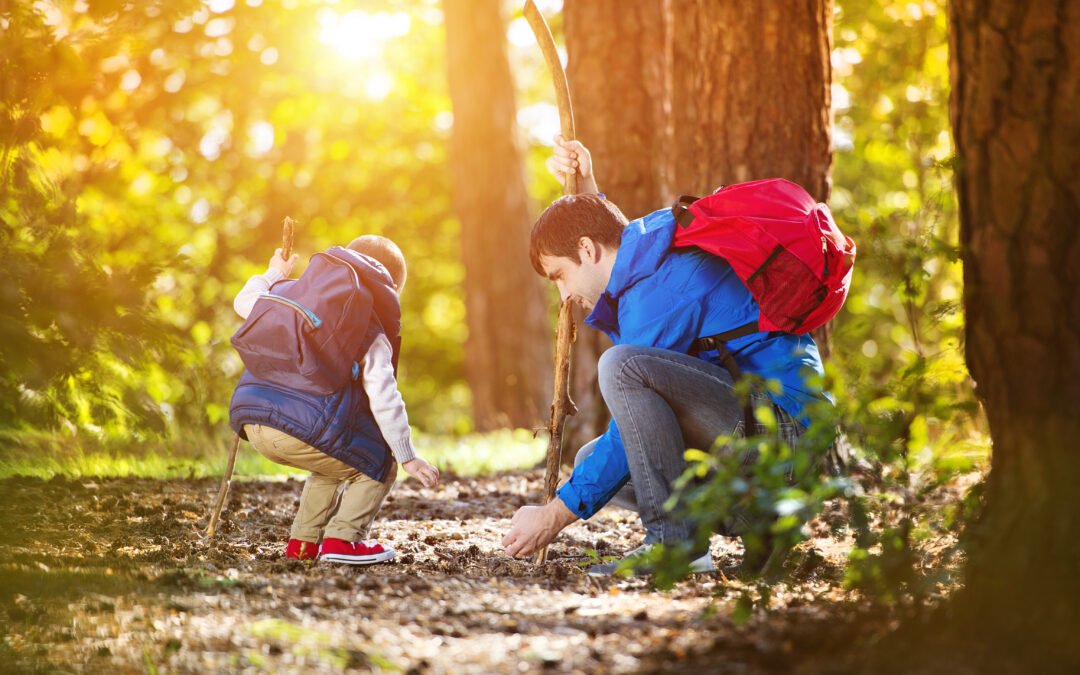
(588, 249)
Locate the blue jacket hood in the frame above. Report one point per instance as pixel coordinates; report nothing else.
(645, 243)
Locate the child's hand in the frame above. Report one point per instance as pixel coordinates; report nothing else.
(279, 263)
(419, 467)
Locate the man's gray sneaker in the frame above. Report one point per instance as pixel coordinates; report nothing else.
(698, 565)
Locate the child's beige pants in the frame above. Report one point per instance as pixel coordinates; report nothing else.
(325, 510)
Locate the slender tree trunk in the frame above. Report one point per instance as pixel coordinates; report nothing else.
(508, 350)
(750, 96)
(1015, 96)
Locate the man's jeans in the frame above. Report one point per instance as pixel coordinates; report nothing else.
(663, 403)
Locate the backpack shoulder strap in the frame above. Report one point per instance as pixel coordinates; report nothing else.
(703, 344)
(681, 211)
(717, 342)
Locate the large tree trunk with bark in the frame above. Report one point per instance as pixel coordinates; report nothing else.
(617, 75)
(508, 349)
(751, 93)
(1015, 96)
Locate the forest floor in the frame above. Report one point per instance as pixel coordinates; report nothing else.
(113, 575)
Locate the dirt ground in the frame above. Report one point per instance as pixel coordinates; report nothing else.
(104, 575)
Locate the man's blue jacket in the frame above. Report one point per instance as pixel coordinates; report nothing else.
(666, 298)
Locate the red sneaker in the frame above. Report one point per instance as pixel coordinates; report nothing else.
(355, 553)
(301, 550)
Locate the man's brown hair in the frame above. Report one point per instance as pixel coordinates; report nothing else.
(386, 252)
(562, 225)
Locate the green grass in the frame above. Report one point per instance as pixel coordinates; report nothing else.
(47, 454)
(301, 640)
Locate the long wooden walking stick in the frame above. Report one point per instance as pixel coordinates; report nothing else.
(287, 228)
(558, 75)
(561, 404)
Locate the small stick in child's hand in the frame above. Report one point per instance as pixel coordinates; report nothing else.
(286, 237)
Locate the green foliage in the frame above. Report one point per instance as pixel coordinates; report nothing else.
(897, 369)
(74, 312)
(761, 488)
(148, 153)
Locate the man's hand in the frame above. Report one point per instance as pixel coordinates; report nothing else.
(533, 527)
(281, 264)
(426, 473)
(568, 157)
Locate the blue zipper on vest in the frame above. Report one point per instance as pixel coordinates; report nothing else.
(308, 315)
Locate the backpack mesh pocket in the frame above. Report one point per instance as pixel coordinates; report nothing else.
(786, 289)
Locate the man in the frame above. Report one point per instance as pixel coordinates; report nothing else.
(653, 301)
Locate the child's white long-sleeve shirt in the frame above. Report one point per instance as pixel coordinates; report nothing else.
(377, 373)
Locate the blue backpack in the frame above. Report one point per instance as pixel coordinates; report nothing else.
(311, 333)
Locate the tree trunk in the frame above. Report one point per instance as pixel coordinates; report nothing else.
(750, 97)
(508, 349)
(617, 79)
(1015, 70)
(751, 93)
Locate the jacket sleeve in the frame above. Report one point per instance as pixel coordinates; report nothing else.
(260, 283)
(387, 406)
(599, 476)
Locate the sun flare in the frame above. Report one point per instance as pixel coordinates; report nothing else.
(358, 35)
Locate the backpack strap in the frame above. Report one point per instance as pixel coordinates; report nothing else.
(717, 342)
(704, 344)
(681, 211)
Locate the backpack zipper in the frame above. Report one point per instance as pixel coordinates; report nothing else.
(334, 259)
(308, 315)
(825, 254)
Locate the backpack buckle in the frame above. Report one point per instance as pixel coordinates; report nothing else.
(680, 210)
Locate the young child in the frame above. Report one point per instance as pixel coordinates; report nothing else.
(348, 440)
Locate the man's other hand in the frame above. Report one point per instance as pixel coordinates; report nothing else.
(533, 527)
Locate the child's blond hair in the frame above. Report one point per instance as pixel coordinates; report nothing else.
(386, 252)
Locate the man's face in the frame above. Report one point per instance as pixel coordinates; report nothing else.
(582, 282)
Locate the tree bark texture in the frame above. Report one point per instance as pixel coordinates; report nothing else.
(750, 93)
(508, 349)
(616, 70)
(1015, 69)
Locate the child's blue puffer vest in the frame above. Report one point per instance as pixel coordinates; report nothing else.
(339, 424)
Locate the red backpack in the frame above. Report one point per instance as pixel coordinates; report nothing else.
(784, 246)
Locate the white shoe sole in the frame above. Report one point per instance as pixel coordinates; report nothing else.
(358, 559)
